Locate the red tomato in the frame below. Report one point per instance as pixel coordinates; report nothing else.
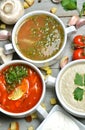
(79, 41)
(79, 54)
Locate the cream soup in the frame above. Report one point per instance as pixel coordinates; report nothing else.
(68, 86)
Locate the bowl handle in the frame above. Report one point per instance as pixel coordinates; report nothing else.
(42, 111)
(70, 29)
(50, 81)
(8, 48)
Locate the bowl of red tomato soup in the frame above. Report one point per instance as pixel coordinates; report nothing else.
(40, 37)
(22, 88)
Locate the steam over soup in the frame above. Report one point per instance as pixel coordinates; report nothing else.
(20, 88)
(40, 37)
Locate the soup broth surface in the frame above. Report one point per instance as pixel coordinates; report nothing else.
(40, 37)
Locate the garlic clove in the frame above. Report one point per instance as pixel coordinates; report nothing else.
(5, 35)
(64, 61)
(4, 58)
(73, 20)
(80, 23)
(56, 1)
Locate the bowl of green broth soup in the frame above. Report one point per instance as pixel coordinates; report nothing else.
(39, 37)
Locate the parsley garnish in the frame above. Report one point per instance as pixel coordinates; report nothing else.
(78, 94)
(78, 79)
(14, 75)
(80, 82)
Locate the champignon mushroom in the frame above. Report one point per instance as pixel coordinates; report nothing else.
(11, 11)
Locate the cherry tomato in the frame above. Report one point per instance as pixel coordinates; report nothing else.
(79, 54)
(79, 41)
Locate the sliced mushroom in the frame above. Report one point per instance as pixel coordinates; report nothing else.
(11, 11)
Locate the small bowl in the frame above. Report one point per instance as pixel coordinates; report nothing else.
(33, 70)
(66, 84)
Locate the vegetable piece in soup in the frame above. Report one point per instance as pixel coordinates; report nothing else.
(20, 88)
(40, 37)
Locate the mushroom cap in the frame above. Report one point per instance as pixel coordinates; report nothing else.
(11, 11)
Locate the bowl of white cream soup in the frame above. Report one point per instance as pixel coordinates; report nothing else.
(70, 87)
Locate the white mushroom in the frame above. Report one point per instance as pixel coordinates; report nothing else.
(11, 11)
(4, 58)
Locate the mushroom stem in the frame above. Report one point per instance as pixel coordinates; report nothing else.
(8, 8)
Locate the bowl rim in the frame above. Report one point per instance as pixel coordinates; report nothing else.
(21, 20)
(69, 109)
(23, 114)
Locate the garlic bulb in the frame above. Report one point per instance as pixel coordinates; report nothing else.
(11, 11)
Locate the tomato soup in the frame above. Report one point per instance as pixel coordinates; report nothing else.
(40, 37)
(20, 88)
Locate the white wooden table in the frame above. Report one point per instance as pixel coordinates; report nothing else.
(50, 92)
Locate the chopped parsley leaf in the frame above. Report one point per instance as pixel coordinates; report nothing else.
(79, 80)
(78, 94)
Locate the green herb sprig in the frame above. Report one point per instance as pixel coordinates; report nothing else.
(80, 82)
(14, 75)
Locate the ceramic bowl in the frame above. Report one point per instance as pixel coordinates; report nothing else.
(49, 61)
(15, 101)
(70, 86)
